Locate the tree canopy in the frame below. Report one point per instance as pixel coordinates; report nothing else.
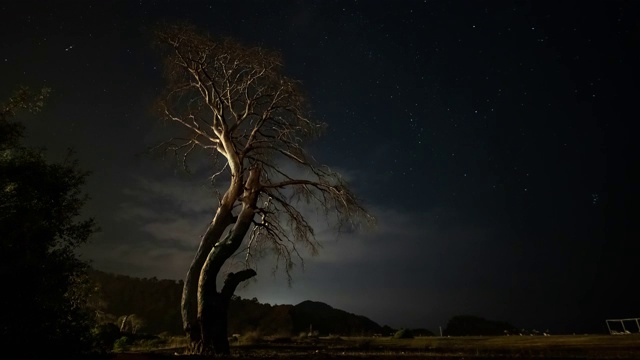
(40, 203)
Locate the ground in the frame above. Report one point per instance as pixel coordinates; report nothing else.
(478, 348)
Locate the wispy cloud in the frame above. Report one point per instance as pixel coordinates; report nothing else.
(181, 195)
(163, 218)
(174, 209)
(186, 230)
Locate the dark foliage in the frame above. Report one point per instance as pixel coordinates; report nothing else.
(44, 307)
(403, 334)
(157, 302)
(249, 315)
(105, 335)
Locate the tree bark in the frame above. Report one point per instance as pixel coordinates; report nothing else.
(189, 301)
(215, 314)
(213, 305)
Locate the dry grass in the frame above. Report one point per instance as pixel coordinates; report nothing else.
(588, 346)
(164, 343)
(499, 347)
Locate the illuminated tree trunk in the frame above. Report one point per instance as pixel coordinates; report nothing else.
(213, 305)
(211, 238)
(189, 304)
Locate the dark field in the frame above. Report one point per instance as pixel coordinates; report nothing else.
(501, 347)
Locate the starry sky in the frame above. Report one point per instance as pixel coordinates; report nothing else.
(493, 140)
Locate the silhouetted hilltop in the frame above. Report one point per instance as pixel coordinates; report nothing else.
(252, 316)
(320, 317)
(155, 306)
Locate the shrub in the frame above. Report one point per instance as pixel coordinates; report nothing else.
(150, 344)
(403, 334)
(252, 337)
(178, 341)
(105, 335)
(122, 344)
(280, 339)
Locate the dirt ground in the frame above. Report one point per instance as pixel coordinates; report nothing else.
(380, 355)
(311, 356)
(587, 347)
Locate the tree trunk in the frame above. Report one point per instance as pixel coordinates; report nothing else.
(189, 302)
(215, 313)
(213, 305)
(213, 322)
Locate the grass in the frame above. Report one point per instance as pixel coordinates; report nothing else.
(558, 345)
(480, 347)
(162, 344)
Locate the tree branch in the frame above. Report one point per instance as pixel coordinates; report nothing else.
(234, 279)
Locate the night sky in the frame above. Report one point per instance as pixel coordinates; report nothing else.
(495, 142)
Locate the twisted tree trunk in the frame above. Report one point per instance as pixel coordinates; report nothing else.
(189, 302)
(191, 288)
(214, 315)
(213, 305)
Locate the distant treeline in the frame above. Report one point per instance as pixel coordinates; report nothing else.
(155, 302)
(155, 306)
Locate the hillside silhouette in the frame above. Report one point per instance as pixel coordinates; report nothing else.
(155, 305)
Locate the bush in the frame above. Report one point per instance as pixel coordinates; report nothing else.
(150, 344)
(122, 344)
(252, 337)
(105, 335)
(178, 341)
(403, 334)
(282, 339)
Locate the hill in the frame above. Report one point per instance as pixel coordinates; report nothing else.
(154, 305)
(318, 316)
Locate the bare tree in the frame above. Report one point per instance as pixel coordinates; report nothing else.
(235, 103)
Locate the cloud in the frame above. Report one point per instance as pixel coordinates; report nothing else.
(174, 212)
(164, 218)
(418, 254)
(184, 195)
(136, 212)
(141, 258)
(186, 230)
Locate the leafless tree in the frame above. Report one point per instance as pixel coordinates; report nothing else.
(235, 104)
